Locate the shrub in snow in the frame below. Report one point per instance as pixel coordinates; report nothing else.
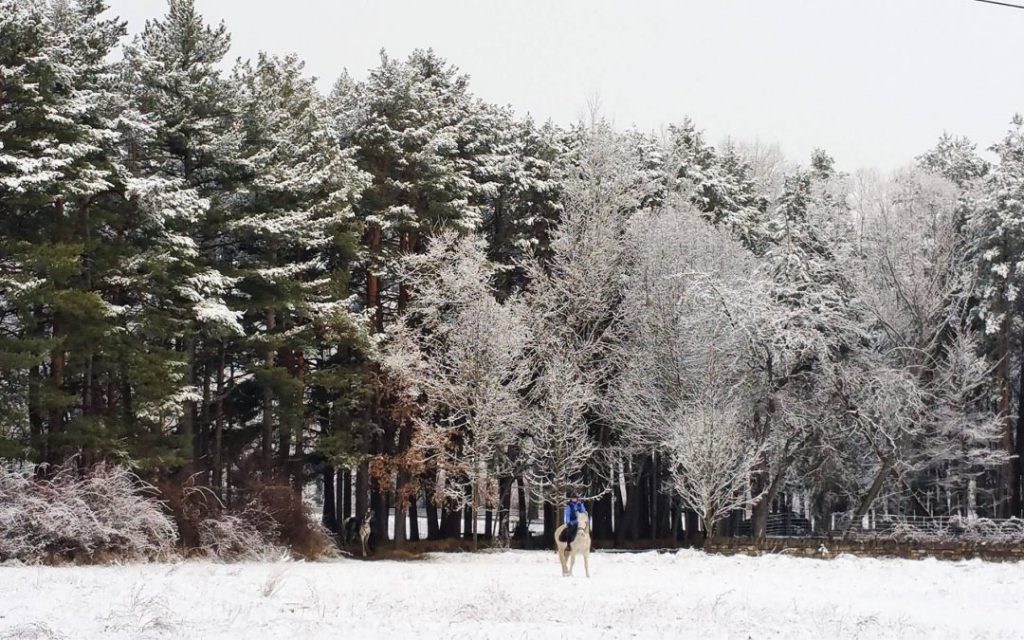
(209, 528)
(107, 513)
(248, 535)
(270, 520)
(959, 529)
(293, 527)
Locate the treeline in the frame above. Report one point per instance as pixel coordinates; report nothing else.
(419, 299)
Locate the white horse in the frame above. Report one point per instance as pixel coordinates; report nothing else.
(581, 545)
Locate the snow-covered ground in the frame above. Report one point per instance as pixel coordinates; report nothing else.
(519, 595)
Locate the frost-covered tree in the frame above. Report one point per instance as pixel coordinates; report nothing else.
(464, 352)
(815, 323)
(910, 272)
(573, 296)
(693, 299)
(710, 454)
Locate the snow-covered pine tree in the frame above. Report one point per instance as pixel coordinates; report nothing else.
(184, 154)
(512, 163)
(293, 237)
(955, 158)
(996, 223)
(58, 189)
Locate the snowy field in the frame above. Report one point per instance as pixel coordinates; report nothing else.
(519, 595)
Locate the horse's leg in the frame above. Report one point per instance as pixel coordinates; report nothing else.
(572, 561)
(561, 560)
(586, 561)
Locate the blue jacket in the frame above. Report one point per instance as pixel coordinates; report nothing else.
(572, 511)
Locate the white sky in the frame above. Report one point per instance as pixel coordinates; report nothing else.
(874, 82)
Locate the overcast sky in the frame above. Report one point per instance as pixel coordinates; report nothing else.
(874, 82)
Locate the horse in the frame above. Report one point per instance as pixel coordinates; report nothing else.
(581, 545)
(354, 528)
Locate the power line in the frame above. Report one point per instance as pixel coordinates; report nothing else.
(1002, 4)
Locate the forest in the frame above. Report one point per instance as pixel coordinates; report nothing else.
(256, 297)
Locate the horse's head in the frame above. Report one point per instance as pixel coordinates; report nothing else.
(584, 521)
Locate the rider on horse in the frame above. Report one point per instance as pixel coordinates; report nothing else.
(572, 521)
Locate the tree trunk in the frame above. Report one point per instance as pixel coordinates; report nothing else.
(343, 494)
(268, 404)
(40, 443)
(450, 522)
(467, 521)
(523, 526)
(504, 508)
(188, 419)
(414, 519)
(57, 383)
(621, 508)
(330, 514)
(218, 435)
(433, 526)
(1006, 471)
(764, 506)
(550, 524)
(379, 500)
(693, 534)
(201, 441)
(373, 282)
(1018, 462)
(362, 488)
(402, 500)
(654, 496)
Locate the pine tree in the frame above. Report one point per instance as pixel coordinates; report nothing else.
(57, 180)
(997, 224)
(184, 153)
(292, 230)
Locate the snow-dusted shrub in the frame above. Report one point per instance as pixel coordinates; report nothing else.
(266, 519)
(207, 527)
(293, 527)
(944, 530)
(249, 535)
(107, 513)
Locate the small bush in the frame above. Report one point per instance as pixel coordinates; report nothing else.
(107, 513)
(270, 523)
(244, 536)
(295, 529)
